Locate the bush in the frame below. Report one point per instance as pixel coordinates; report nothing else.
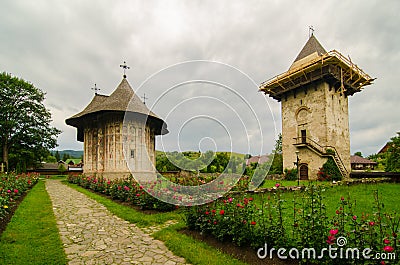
(291, 174)
(329, 171)
(13, 186)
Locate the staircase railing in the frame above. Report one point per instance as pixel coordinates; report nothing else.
(323, 150)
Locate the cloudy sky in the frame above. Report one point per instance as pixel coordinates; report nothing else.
(64, 47)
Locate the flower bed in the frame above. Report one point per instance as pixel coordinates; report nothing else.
(12, 187)
(125, 190)
(254, 222)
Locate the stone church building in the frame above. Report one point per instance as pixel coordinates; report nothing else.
(314, 103)
(118, 133)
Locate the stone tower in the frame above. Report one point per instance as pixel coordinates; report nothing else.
(314, 100)
(118, 132)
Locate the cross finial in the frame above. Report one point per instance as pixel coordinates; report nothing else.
(310, 31)
(125, 67)
(95, 88)
(144, 98)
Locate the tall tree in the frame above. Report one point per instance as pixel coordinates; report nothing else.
(24, 120)
(393, 154)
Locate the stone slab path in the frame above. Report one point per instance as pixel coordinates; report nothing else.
(93, 235)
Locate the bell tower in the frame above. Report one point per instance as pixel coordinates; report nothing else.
(314, 100)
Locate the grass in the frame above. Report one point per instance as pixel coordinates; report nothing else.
(32, 236)
(193, 251)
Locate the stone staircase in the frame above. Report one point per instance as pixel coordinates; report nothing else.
(323, 151)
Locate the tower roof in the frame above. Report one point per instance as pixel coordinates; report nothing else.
(311, 49)
(122, 100)
(314, 64)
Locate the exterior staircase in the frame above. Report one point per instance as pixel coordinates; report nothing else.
(322, 151)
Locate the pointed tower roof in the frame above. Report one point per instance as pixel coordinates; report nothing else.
(122, 100)
(311, 50)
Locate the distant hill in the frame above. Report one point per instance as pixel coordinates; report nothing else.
(71, 153)
(239, 155)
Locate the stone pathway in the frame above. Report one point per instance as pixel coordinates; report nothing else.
(93, 235)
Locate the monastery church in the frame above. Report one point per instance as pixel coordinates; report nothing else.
(314, 103)
(118, 132)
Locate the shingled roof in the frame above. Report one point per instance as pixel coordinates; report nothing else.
(122, 100)
(311, 49)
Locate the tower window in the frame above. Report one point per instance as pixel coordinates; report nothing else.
(301, 102)
(132, 153)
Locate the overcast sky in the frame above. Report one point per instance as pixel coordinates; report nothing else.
(64, 47)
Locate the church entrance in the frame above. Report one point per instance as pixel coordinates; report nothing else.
(304, 172)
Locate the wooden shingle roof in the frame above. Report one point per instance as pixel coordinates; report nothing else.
(122, 100)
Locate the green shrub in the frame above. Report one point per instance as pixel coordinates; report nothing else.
(291, 174)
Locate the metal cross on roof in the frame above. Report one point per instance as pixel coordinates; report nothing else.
(95, 88)
(310, 31)
(125, 67)
(144, 98)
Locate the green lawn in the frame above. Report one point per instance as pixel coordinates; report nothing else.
(32, 235)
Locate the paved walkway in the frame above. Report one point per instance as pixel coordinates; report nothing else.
(93, 235)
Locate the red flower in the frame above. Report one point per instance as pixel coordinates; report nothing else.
(383, 263)
(251, 198)
(207, 212)
(215, 222)
(15, 191)
(137, 194)
(126, 188)
(354, 217)
(8, 191)
(333, 232)
(253, 223)
(342, 198)
(221, 212)
(330, 240)
(337, 212)
(386, 241)
(371, 223)
(277, 185)
(244, 221)
(388, 248)
(213, 211)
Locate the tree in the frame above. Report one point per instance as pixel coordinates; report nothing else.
(57, 155)
(24, 121)
(358, 154)
(277, 163)
(393, 154)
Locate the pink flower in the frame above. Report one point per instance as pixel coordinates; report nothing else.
(388, 248)
(354, 217)
(15, 191)
(277, 185)
(137, 194)
(230, 200)
(126, 188)
(330, 240)
(8, 191)
(386, 241)
(382, 263)
(333, 232)
(371, 223)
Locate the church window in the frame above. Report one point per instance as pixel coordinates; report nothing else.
(132, 153)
